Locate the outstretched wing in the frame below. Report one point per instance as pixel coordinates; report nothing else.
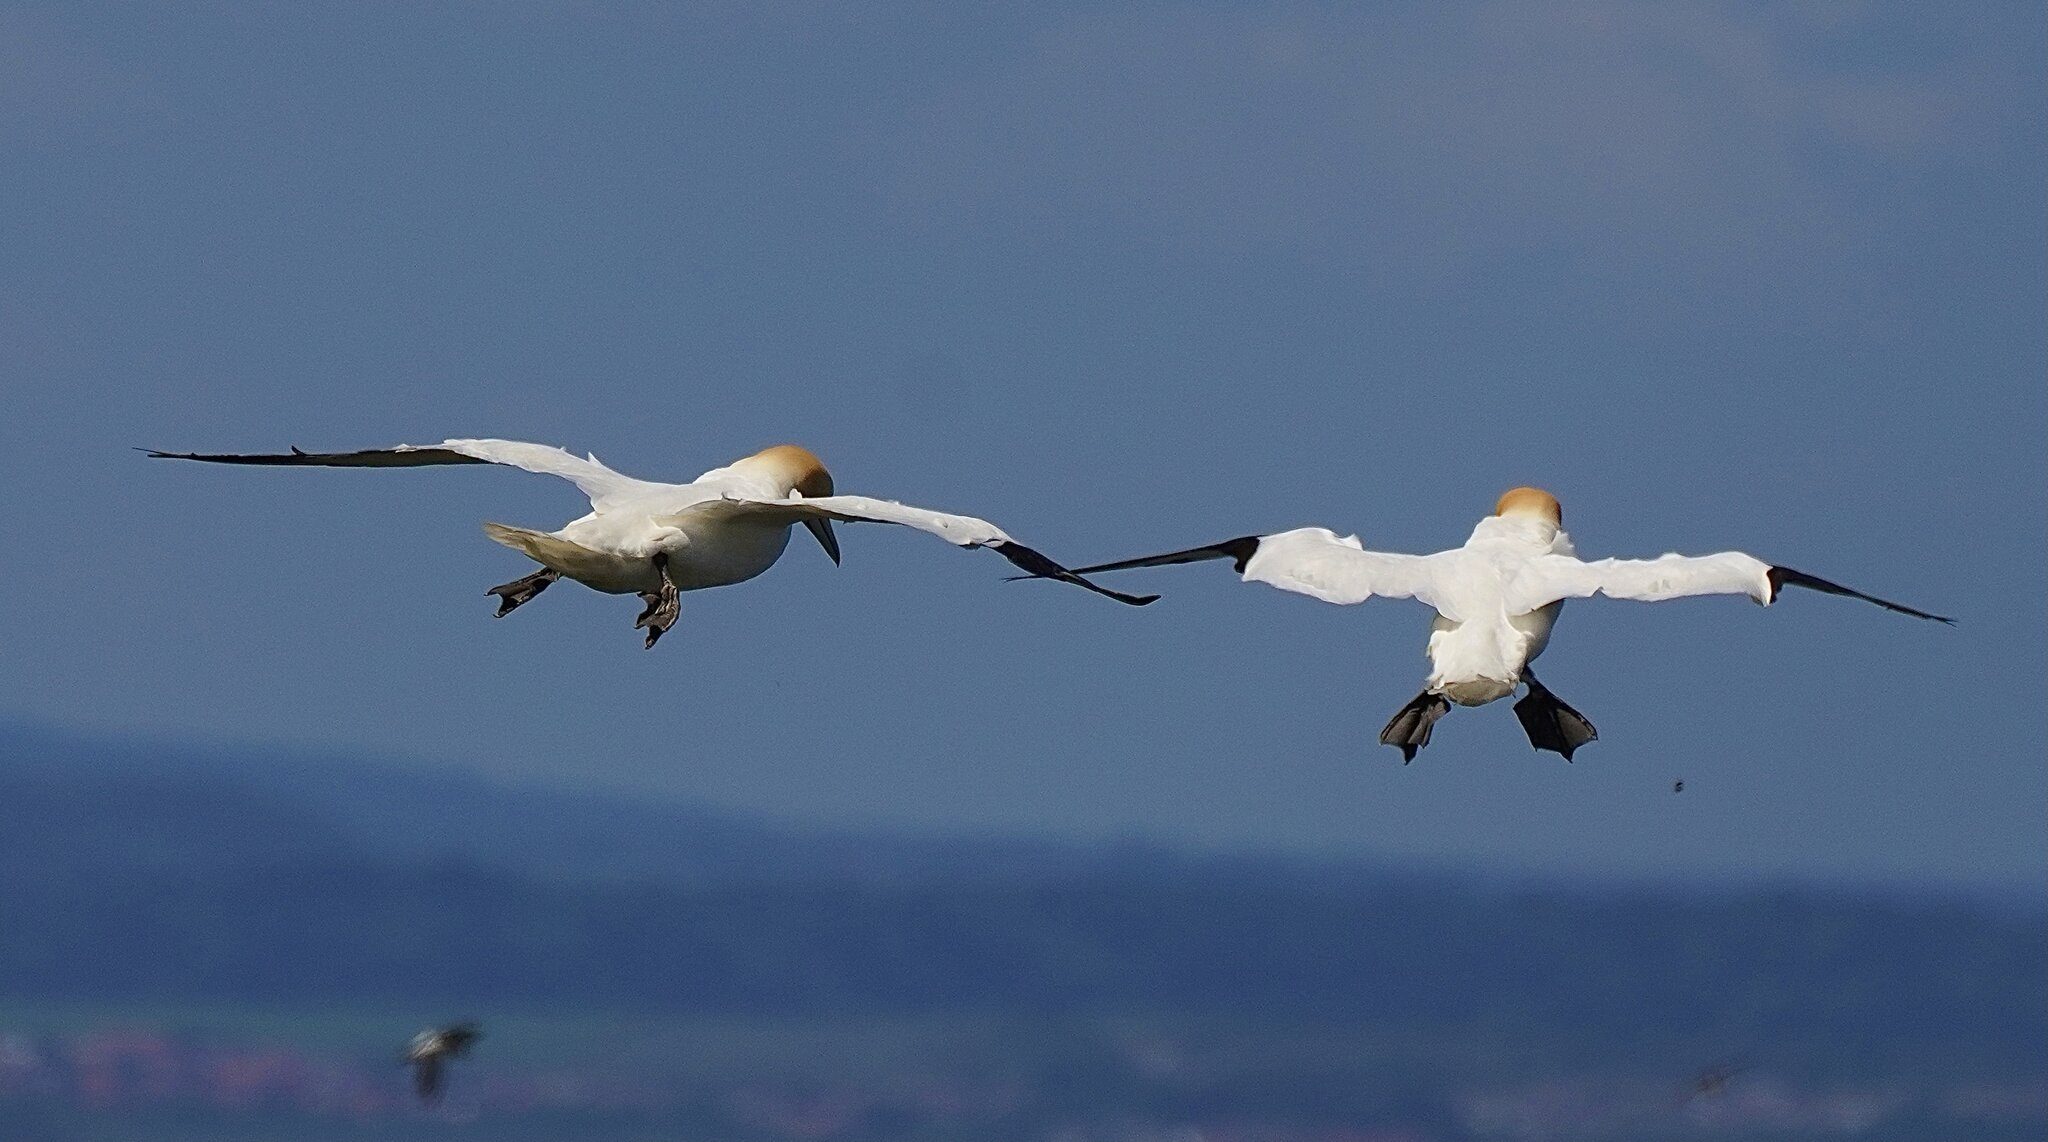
(1311, 561)
(961, 530)
(1555, 577)
(600, 483)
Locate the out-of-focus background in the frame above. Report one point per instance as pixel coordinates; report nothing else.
(898, 850)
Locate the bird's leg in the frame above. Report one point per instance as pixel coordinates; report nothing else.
(1410, 728)
(1550, 723)
(662, 603)
(521, 591)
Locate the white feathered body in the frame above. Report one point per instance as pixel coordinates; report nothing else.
(726, 526)
(612, 548)
(641, 536)
(1478, 657)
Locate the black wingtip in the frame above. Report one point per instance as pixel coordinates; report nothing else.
(1134, 600)
(1782, 577)
(1038, 566)
(1239, 551)
(1119, 596)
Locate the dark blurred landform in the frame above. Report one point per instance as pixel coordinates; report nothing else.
(232, 944)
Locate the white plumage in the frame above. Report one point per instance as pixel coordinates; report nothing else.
(1496, 598)
(656, 539)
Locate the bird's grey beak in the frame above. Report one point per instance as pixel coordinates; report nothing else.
(822, 528)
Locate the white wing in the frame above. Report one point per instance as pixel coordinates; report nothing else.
(1554, 577)
(601, 484)
(1312, 561)
(1549, 578)
(960, 530)
(1316, 562)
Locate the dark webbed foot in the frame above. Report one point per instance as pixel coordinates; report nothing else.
(663, 604)
(513, 595)
(1550, 723)
(1410, 728)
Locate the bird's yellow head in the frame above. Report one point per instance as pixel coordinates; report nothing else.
(797, 469)
(1530, 502)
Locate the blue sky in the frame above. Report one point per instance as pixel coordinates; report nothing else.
(1768, 278)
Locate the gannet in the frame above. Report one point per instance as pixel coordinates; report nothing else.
(657, 540)
(1496, 599)
(430, 1049)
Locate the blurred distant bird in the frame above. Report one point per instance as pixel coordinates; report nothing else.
(726, 526)
(1496, 599)
(1712, 1082)
(430, 1049)
(1678, 786)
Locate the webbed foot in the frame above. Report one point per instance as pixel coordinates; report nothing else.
(1410, 728)
(517, 593)
(1550, 723)
(663, 604)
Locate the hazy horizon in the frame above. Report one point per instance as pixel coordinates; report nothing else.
(234, 758)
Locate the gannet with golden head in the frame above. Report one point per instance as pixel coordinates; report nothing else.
(657, 540)
(1496, 599)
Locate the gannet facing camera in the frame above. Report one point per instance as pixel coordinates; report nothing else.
(1496, 599)
(658, 540)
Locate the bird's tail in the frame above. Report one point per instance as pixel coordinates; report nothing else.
(571, 559)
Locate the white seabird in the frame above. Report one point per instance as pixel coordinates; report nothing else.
(1496, 599)
(654, 539)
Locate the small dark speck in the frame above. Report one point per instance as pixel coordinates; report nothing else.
(1678, 786)
(1713, 1081)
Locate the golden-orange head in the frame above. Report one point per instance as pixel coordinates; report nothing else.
(795, 466)
(1530, 502)
(797, 469)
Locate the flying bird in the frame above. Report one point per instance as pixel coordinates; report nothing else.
(1496, 599)
(1713, 1080)
(657, 540)
(429, 1052)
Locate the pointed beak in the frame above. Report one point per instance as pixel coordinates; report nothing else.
(822, 528)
